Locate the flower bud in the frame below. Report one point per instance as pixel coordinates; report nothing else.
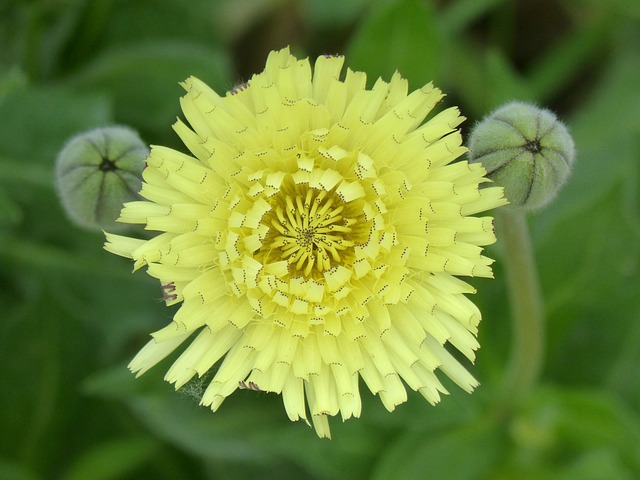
(96, 172)
(526, 150)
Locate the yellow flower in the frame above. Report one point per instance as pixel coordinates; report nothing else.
(314, 237)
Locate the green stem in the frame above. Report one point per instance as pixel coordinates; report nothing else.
(47, 258)
(527, 350)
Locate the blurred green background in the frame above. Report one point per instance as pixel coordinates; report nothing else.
(73, 315)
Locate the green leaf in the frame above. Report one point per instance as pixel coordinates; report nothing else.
(588, 266)
(467, 452)
(12, 471)
(461, 13)
(419, 415)
(503, 82)
(399, 35)
(232, 20)
(467, 76)
(230, 434)
(10, 212)
(246, 430)
(601, 464)
(42, 119)
(588, 241)
(43, 355)
(351, 452)
(118, 383)
(131, 23)
(143, 81)
(332, 14)
(113, 460)
(485, 80)
(10, 80)
(577, 421)
(595, 419)
(561, 65)
(624, 9)
(605, 131)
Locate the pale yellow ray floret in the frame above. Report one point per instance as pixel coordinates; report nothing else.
(314, 237)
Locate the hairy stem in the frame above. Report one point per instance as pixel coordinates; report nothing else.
(527, 310)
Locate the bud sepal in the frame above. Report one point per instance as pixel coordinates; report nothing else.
(526, 150)
(96, 172)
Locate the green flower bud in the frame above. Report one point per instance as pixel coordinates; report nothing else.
(96, 172)
(526, 150)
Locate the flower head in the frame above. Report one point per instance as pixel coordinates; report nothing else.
(314, 237)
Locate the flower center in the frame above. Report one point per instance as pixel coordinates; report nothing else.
(313, 229)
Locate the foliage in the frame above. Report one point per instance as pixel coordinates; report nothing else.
(73, 315)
